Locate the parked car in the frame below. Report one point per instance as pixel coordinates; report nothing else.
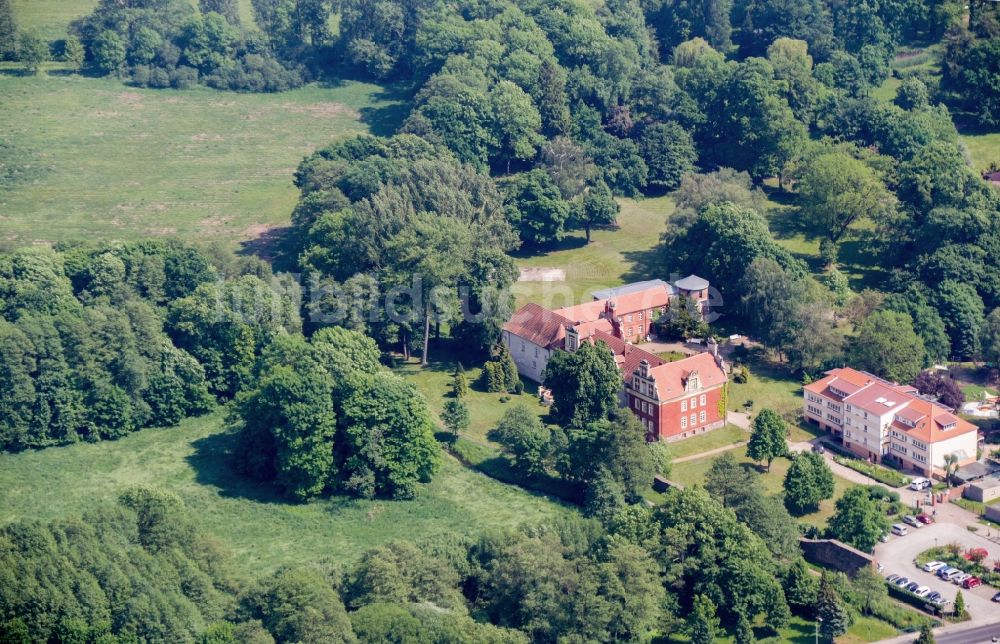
(996, 597)
(899, 529)
(902, 581)
(951, 575)
(891, 578)
(819, 449)
(948, 570)
(972, 582)
(920, 483)
(934, 566)
(884, 538)
(923, 591)
(912, 520)
(912, 586)
(926, 519)
(933, 596)
(960, 578)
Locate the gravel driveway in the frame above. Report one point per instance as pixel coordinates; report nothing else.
(898, 554)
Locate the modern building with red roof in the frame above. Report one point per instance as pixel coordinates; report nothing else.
(673, 400)
(877, 419)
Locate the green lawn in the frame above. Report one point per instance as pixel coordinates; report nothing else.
(51, 18)
(802, 631)
(485, 409)
(86, 158)
(984, 148)
(262, 530)
(693, 473)
(714, 439)
(612, 258)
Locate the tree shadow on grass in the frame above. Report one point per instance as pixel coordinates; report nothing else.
(644, 264)
(394, 103)
(276, 245)
(569, 242)
(214, 466)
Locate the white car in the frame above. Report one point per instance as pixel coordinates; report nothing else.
(923, 591)
(934, 566)
(959, 578)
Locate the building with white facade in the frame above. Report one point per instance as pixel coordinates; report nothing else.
(879, 420)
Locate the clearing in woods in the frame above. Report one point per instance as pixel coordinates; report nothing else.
(88, 158)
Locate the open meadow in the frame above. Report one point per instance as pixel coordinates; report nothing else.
(262, 530)
(90, 158)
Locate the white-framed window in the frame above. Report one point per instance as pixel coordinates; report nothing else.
(640, 329)
(703, 399)
(628, 318)
(629, 331)
(636, 402)
(640, 315)
(701, 417)
(684, 422)
(684, 405)
(694, 419)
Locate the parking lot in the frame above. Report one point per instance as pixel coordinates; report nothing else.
(897, 556)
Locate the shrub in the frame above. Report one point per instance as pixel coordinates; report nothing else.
(881, 474)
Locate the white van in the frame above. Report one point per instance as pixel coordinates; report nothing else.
(920, 483)
(899, 529)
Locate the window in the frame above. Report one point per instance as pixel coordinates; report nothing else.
(640, 329)
(684, 405)
(636, 401)
(684, 422)
(629, 331)
(628, 318)
(701, 417)
(522, 346)
(703, 400)
(536, 352)
(693, 419)
(640, 315)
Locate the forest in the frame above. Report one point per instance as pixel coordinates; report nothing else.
(526, 124)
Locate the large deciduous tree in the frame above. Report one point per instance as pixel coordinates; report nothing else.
(858, 520)
(767, 439)
(584, 384)
(887, 346)
(808, 481)
(669, 153)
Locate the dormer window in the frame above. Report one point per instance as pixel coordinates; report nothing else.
(693, 382)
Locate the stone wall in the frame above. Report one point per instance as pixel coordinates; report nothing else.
(835, 554)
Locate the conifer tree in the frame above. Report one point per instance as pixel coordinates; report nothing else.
(831, 610)
(459, 384)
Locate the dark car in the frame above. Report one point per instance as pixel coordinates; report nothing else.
(996, 597)
(926, 519)
(819, 449)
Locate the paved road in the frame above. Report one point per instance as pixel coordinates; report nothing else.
(898, 554)
(990, 633)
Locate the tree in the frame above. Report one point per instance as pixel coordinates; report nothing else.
(730, 483)
(941, 386)
(8, 31)
(108, 50)
(959, 608)
(801, 587)
(455, 417)
(767, 440)
(744, 631)
(926, 635)
(228, 9)
(794, 66)
(73, 52)
(961, 309)
(391, 438)
(500, 371)
(299, 605)
(950, 466)
(887, 346)
(669, 153)
(289, 426)
(830, 609)
(584, 384)
(808, 481)
(517, 123)
(459, 383)
(32, 50)
(837, 190)
(525, 439)
(858, 520)
(990, 337)
(912, 94)
(702, 622)
(598, 208)
(568, 165)
(535, 207)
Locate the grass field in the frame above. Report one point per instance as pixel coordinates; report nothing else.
(51, 18)
(723, 437)
(802, 631)
(693, 473)
(262, 530)
(86, 158)
(612, 258)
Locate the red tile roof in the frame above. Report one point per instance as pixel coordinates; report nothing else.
(671, 376)
(650, 298)
(628, 356)
(538, 326)
(586, 312)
